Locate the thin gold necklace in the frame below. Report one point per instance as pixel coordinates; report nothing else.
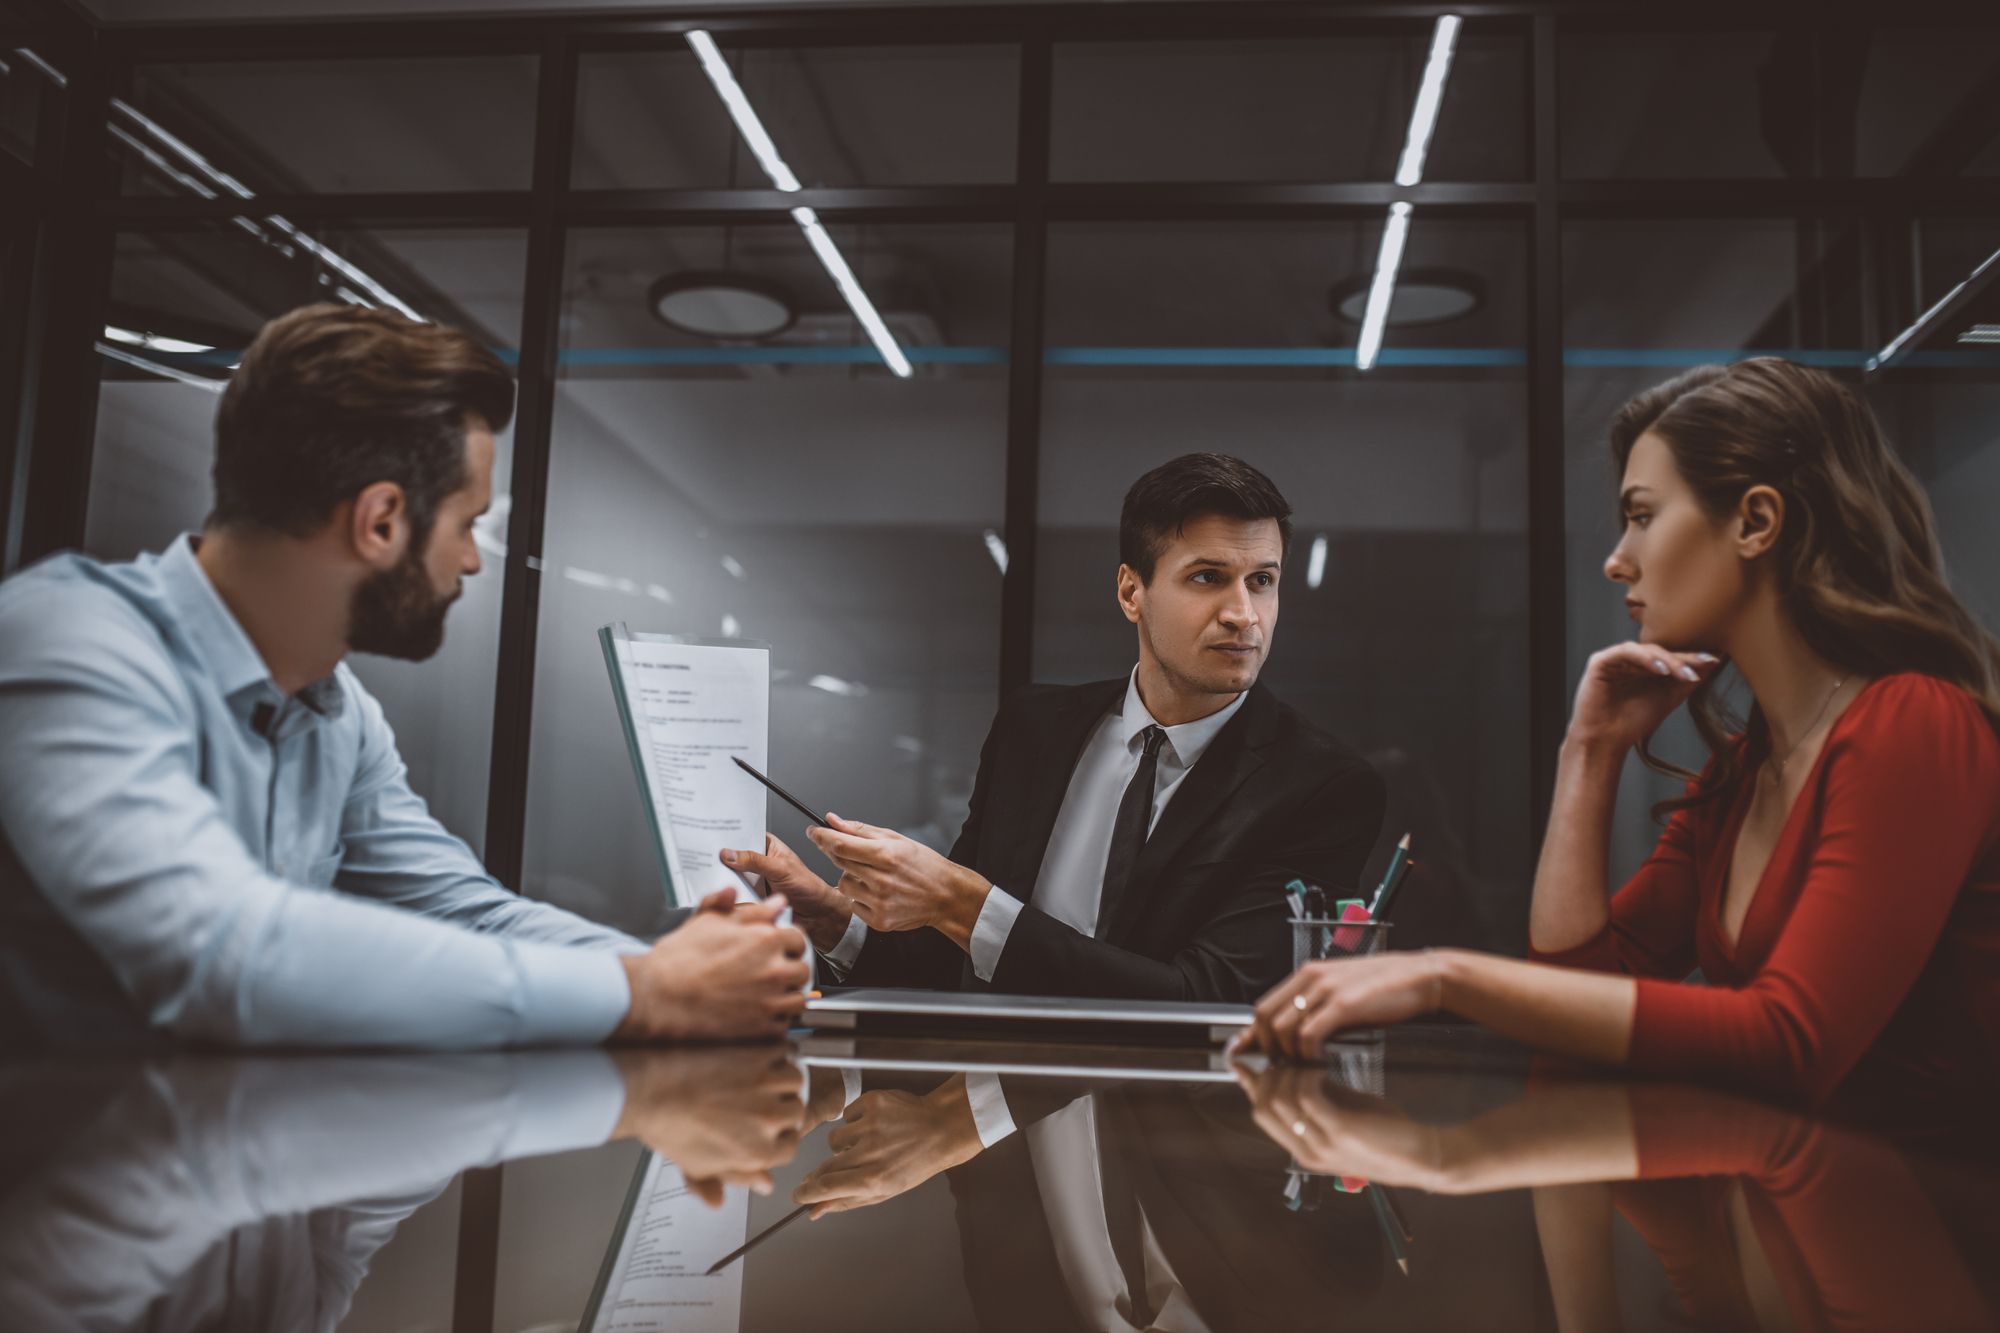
(1778, 772)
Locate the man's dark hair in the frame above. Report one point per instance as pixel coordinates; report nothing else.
(331, 399)
(1161, 503)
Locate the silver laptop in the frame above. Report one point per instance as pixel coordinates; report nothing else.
(1051, 1014)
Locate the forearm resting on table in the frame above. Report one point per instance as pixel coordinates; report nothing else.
(1572, 895)
(1584, 1015)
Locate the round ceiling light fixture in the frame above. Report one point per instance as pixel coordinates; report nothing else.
(722, 304)
(1423, 296)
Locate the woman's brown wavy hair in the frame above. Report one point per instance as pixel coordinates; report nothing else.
(1857, 562)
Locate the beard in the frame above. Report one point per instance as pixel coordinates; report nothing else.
(396, 613)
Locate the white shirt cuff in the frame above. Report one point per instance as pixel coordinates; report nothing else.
(841, 957)
(990, 931)
(989, 1108)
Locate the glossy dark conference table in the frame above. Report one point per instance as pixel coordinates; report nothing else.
(1435, 1178)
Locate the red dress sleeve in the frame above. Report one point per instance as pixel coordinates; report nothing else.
(1650, 932)
(1907, 806)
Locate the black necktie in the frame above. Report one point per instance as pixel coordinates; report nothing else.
(1125, 1220)
(1128, 831)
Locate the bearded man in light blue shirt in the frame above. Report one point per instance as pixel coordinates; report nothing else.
(205, 828)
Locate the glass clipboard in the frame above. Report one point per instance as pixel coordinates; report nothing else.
(621, 647)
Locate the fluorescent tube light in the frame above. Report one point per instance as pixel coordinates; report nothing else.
(153, 342)
(765, 150)
(1382, 291)
(1923, 321)
(1430, 97)
(1316, 562)
(165, 372)
(747, 122)
(375, 292)
(850, 288)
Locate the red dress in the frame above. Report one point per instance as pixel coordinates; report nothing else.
(1868, 962)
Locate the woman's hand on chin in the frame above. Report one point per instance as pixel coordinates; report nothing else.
(1630, 688)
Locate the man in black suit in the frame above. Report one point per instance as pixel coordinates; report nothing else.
(1130, 838)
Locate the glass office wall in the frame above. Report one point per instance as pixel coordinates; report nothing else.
(842, 116)
(326, 126)
(1313, 108)
(708, 473)
(792, 491)
(1940, 401)
(183, 305)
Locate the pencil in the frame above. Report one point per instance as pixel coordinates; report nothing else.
(1392, 880)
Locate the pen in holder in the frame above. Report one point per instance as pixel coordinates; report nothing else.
(1348, 934)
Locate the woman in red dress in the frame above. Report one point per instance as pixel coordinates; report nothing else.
(1834, 870)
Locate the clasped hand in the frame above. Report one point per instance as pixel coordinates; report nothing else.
(724, 1115)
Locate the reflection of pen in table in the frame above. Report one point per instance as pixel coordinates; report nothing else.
(757, 1239)
(1392, 1225)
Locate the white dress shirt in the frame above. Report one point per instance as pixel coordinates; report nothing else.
(1070, 886)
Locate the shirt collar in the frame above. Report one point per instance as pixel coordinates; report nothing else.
(218, 640)
(1189, 739)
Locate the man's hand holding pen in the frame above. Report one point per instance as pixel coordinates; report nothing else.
(897, 883)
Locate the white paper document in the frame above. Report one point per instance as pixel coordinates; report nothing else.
(657, 1282)
(689, 707)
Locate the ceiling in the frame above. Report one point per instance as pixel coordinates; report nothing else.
(156, 11)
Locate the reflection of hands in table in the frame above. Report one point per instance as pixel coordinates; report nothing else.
(891, 1142)
(826, 1097)
(1555, 1134)
(724, 1115)
(818, 908)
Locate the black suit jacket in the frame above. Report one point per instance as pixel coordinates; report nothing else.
(1203, 918)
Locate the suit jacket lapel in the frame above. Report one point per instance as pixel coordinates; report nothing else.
(1229, 761)
(1058, 746)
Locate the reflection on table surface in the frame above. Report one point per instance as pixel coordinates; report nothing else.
(1433, 1179)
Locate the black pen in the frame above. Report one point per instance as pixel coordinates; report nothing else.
(784, 795)
(757, 1239)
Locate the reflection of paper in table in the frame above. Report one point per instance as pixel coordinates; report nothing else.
(688, 706)
(656, 1282)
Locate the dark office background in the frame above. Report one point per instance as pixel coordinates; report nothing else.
(1103, 234)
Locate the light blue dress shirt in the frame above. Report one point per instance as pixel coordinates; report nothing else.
(241, 865)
